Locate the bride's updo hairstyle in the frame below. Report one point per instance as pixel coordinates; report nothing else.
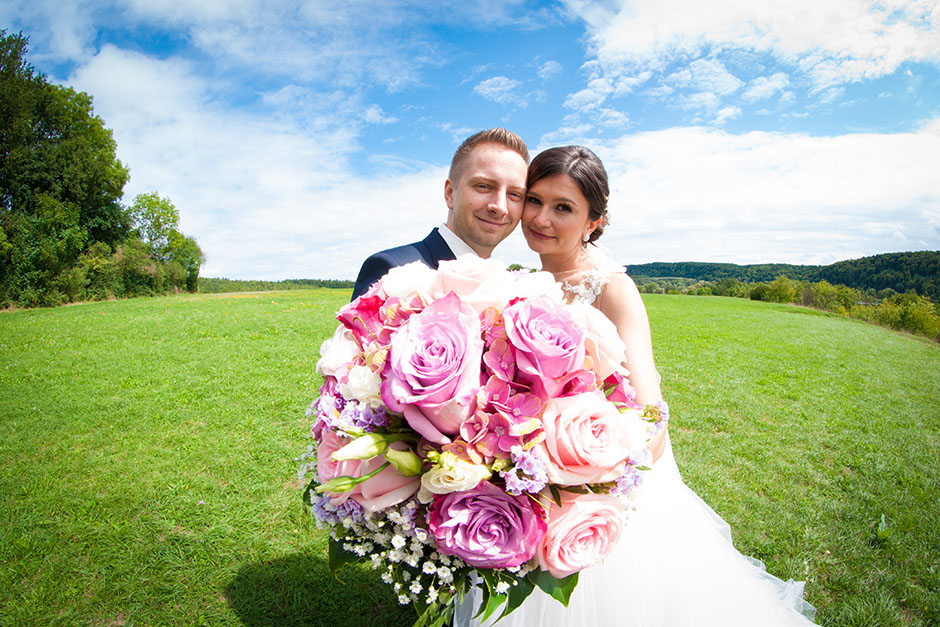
(584, 167)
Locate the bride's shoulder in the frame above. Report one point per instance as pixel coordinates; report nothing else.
(619, 293)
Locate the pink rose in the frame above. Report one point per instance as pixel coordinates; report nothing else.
(486, 527)
(327, 469)
(548, 343)
(387, 488)
(580, 533)
(587, 440)
(481, 283)
(434, 371)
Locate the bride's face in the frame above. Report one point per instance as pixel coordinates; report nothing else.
(556, 216)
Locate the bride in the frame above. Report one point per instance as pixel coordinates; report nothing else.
(675, 565)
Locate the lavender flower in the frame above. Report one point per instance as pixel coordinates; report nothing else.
(356, 414)
(326, 512)
(528, 474)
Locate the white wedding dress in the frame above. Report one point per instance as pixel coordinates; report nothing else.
(675, 565)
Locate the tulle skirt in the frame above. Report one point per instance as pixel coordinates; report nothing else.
(674, 566)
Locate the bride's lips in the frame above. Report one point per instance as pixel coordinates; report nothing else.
(538, 235)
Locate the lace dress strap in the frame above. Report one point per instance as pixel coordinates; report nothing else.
(586, 285)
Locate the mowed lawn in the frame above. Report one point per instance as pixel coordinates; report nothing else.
(149, 471)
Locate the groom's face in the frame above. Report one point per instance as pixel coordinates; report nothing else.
(486, 201)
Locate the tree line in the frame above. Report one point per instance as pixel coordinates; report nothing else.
(65, 234)
(902, 272)
(909, 311)
(208, 285)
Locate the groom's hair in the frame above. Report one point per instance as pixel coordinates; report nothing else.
(499, 136)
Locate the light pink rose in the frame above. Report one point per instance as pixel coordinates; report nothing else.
(587, 440)
(548, 343)
(481, 283)
(381, 491)
(580, 533)
(327, 469)
(602, 342)
(387, 488)
(434, 368)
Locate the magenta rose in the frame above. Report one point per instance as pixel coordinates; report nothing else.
(434, 368)
(548, 343)
(580, 533)
(587, 440)
(486, 527)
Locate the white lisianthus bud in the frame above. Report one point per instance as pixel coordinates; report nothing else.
(458, 476)
(337, 352)
(363, 447)
(363, 385)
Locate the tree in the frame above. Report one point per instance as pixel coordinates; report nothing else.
(155, 219)
(60, 180)
(184, 251)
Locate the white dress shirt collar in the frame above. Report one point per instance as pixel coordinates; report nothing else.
(457, 245)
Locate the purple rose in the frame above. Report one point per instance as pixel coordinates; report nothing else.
(434, 368)
(486, 527)
(548, 343)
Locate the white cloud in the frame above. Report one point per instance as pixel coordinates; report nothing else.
(706, 75)
(833, 43)
(549, 69)
(374, 115)
(501, 90)
(764, 87)
(699, 194)
(727, 113)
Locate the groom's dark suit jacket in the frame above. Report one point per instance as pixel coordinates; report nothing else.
(431, 250)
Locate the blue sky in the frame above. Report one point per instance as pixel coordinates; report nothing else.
(296, 138)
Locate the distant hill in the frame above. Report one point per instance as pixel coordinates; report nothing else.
(902, 272)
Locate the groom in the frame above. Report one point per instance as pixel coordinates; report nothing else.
(485, 194)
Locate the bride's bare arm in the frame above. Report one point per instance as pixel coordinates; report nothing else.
(620, 301)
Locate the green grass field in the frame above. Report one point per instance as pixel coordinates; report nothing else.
(149, 445)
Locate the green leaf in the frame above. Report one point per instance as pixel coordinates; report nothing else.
(433, 612)
(556, 494)
(340, 558)
(883, 531)
(310, 488)
(517, 594)
(558, 589)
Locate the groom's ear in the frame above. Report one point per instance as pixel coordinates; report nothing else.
(449, 194)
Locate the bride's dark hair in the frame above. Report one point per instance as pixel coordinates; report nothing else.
(585, 168)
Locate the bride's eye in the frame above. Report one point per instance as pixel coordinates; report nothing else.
(535, 201)
(564, 207)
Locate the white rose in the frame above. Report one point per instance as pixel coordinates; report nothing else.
(533, 284)
(411, 278)
(457, 476)
(481, 283)
(337, 352)
(363, 385)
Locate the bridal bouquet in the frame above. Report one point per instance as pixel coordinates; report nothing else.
(473, 429)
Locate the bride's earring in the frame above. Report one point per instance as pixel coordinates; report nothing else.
(587, 237)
